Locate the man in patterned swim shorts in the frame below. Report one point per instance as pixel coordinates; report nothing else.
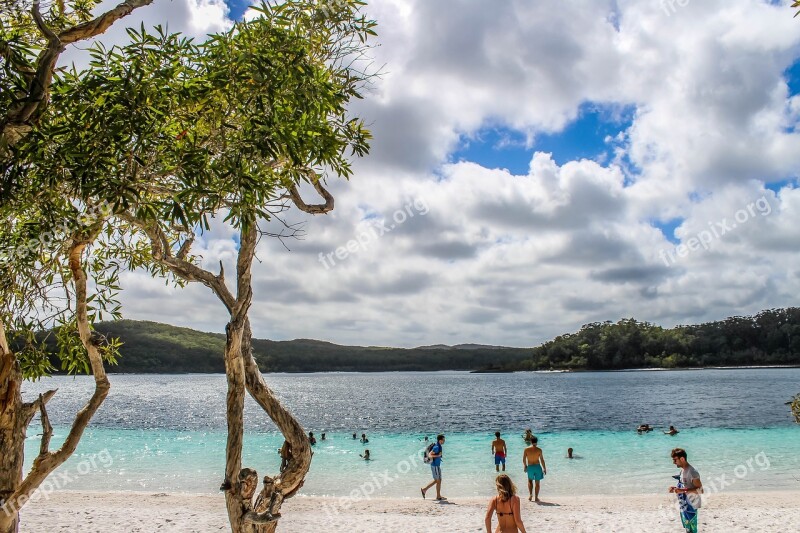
(688, 490)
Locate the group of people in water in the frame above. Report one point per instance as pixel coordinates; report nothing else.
(646, 428)
(285, 451)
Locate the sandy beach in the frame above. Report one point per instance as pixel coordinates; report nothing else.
(89, 512)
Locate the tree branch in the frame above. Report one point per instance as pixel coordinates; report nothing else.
(20, 119)
(316, 209)
(40, 23)
(29, 409)
(180, 266)
(95, 27)
(47, 429)
(48, 461)
(290, 480)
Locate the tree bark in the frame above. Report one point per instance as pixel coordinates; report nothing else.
(12, 434)
(288, 482)
(242, 372)
(16, 415)
(20, 120)
(234, 371)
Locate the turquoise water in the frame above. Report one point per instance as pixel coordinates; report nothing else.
(609, 462)
(165, 433)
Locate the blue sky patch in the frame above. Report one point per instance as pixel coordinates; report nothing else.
(776, 186)
(587, 137)
(668, 228)
(237, 7)
(792, 75)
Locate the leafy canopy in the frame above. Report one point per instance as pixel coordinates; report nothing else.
(169, 132)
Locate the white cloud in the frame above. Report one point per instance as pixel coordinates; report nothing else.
(515, 260)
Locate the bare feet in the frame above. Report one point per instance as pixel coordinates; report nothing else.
(423, 493)
(530, 498)
(537, 500)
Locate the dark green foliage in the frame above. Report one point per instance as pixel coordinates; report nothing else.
(769, 338)
(160, 348)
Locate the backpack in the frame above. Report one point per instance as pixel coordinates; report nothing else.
(426, 458)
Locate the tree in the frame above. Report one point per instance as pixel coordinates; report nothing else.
(46, 273)
(31, 41)
(171, 134)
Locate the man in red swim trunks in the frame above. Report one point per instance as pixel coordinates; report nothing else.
(499, 451)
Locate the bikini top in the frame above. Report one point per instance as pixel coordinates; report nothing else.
(497, 507)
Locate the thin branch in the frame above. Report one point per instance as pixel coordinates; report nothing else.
(40, 23)
(180, 267)
(47, 429)
(95, 27)
(184, 249)
(314, 209)
(29, 409)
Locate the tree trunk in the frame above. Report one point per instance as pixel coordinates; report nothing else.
(288, 482)
(15, 416)
(12, 435)
(241, 370)
(234, 371)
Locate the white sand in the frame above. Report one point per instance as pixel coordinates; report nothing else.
(87, 512)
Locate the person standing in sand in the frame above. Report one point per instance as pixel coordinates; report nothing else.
(506, 505)
(688, 490)
(436, 468)
(499, 450)
(533, 461)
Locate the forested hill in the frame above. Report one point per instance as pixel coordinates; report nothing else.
(769, 338)
(150, 347)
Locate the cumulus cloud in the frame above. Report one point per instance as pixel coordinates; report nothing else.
(422, 249)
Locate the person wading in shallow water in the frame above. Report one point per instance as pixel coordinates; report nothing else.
(499, 450)
(506, 505)
(533, 461)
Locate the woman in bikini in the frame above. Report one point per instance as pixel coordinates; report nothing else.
(506, 505)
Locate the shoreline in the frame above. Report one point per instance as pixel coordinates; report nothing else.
(467, 370)
(176, 512)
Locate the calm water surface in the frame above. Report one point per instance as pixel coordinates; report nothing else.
(167, 433)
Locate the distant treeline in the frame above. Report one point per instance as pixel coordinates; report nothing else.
(769, 338)
(150, 347)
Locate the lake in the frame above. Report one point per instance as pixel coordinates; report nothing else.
(166, 433)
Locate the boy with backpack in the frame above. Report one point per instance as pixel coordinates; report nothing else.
(435, 456)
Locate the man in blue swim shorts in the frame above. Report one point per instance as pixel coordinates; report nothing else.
(533, 461)
(436, 468)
